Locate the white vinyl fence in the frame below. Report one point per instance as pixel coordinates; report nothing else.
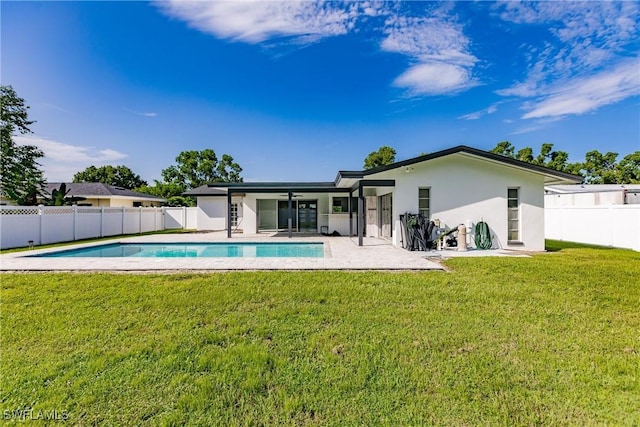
(613, 225)
(40, 225)
(181, 218)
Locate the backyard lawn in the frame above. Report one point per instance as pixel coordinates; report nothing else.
(551, 339)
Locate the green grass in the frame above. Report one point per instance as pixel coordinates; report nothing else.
(548, 340)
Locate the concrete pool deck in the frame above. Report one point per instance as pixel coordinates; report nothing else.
(341, 253)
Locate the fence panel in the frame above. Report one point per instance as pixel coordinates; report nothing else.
(53, 224)
(174, 218)
(19, 225)
(57, 224)
(191, 219)
(614, 225)
(112, 219)
(147, 220)
(88, 222)
(131, 221)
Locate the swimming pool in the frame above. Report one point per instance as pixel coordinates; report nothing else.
(194, 250)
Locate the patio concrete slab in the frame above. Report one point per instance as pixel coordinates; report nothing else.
(341, 253)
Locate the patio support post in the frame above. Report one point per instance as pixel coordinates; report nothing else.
(289, 220)
(228, 213)
(360, 214)
(350, 214)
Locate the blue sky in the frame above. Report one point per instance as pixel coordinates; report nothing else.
(298, 90)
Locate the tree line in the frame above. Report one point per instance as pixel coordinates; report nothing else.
(597, 168)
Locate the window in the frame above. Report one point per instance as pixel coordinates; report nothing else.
(424, 202)
(513, 212)
(234, 214)
(341, 204)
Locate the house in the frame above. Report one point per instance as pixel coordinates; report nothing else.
(461, 185)
(99, 194)
(591, 195)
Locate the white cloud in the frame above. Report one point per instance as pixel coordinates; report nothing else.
(434, 43)
(257, 21)
(62, 160)
(142, 113)
(477, 114)
(590, 93)
(434, 78)
(586, 66)
(439, 46)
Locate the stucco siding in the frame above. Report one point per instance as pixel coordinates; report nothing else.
(465, 190)
(212, 213)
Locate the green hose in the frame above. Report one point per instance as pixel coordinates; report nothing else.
(483, 236)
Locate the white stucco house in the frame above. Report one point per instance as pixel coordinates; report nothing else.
(461, 185)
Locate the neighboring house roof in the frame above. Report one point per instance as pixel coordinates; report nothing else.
(551, 175)
(205, 190)
(590, 188)
(98, 190)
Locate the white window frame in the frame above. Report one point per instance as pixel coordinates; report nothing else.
(428, 199)
(513, 216)
(234, 214)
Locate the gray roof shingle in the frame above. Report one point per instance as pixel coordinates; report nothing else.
(88, 189)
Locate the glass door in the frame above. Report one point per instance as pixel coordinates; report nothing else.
(385, 216)
(308, 215)
(266, 214)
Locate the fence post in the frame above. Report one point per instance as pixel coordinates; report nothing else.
(122, 220)
(140, 220)
(41, 213)
(184, 217)
(75, 222)
(101, 221)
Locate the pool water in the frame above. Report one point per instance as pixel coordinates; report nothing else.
(195, 250)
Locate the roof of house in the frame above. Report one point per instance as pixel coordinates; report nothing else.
(590, 188)
(99, 190)
(220, 188)
(552, 173)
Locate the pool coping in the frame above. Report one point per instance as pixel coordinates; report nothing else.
(341, 253)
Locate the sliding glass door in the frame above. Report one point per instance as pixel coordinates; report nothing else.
(308, 215)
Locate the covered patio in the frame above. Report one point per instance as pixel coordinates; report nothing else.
(284, 200)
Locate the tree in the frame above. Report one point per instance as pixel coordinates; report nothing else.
(196, 168)
(385, 155)
(600, 168)
(21, 179)
(59, 197)
(119, 176)
(170, 191)
(547, 157)
(504, 148)
(629, 169)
